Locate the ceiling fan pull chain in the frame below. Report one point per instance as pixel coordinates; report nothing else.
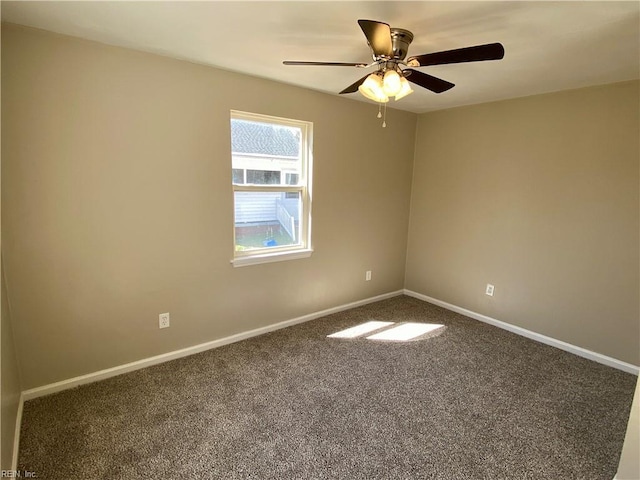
(379, 110)
(384, 120)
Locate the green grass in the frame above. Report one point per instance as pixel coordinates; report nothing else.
(255, 236)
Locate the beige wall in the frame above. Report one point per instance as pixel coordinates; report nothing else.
(11, 386)
(629, 468)
(538, 196)
(117, 204)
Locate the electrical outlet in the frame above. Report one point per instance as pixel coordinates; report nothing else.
(164, 321)
(367, 275)
(489, 290)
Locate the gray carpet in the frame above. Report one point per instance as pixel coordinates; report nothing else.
(469, 402)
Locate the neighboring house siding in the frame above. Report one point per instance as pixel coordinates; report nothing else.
(256, 207)
(264, 162)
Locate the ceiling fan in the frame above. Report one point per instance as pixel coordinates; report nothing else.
(389, 48)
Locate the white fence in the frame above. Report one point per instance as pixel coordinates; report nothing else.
(286, 219)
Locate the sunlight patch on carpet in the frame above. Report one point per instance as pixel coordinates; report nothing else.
(391, 331)
(406, 331)
(360, 330)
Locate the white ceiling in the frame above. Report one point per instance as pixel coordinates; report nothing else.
(549, 46)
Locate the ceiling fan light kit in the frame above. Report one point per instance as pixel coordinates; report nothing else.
(380, 86)
(389, 47)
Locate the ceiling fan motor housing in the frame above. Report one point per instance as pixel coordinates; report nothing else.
(400, 40)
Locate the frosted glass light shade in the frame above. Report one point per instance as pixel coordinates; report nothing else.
(405, 89)
(391, 83)
(373, 90)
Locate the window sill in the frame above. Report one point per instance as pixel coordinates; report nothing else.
(271, 257)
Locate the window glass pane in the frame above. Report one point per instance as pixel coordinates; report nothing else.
(266, 219)
(265, 138)
(263, 177)
(238, 176)
(266, 147)
(291, 178)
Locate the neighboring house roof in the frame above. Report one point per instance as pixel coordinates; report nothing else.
(261, 138)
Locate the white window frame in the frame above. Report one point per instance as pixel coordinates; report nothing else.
(286, 252)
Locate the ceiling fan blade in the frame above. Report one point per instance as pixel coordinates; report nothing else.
(354, 86)
(478, 53)
(325, 64)
(378, 35)
(434, 84)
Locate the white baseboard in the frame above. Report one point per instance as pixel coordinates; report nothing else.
(165, 357)
(582, 352)
(16, 434)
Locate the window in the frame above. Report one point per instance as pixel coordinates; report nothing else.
(271, 178)
(263, 177)
(238, 176)
(291, 178)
